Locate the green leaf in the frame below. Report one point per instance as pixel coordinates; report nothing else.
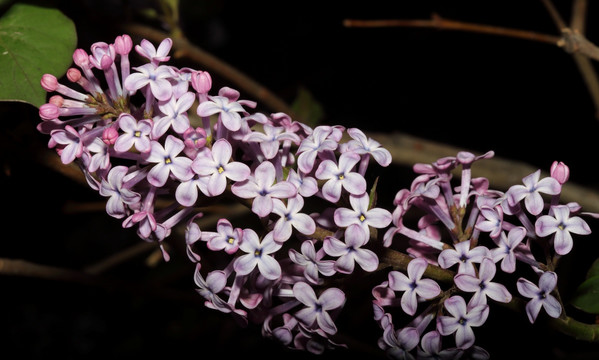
(33, 41)
(306, 108)
(586, 296)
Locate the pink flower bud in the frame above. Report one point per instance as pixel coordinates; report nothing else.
(560, 172)
(194, 138)
(56, 100)
(49, 111)
(49, 82)
(201, 81)
(73, 75)
(123, 44)
(80, 58)
(109, 135)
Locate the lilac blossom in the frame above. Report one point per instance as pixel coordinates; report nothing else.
(71, 141)
(187, 191)
(361, 215)
(154, 77)
(217, 164)
(101, 157)
(366, 148)
(263, 189)
(464, 256)
(258, 255)
(156, 56)
(318, 142)
(482, 286)
(175, 115)
(270, 139)
(306, 185)
(413, 285)
(431, 348)
(136, 134)
(506, 245)
(312, 262)
(210, 287)
(340, 176)
(400, 342)
(118, 195)
(290, 218)
(561, 225)
(316, 310)
(227, 110)
(493, 220)
(350, 251)
(167, 162)
(461, 320)
(225, 238)
(531, 192)
(540, 296)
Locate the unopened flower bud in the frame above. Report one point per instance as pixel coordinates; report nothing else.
(49, 111)
(49, 82)
(80, 58)
(73, 75)
(56, 100)
(109, 135)
(560, 172)
(123, 44)
(201, 81)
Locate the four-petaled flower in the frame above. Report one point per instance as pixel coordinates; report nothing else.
(216, 164)
(340, 176)
(361, 215)
(225, 238)
(316, 310)
(291, 217)
(482, 286)
(258, 254)
(464, 256)
(561, 225)
(413, 285)
(155, 77)
(461, 320)
(136, 133)
(540, 295)
(311, 261)
(531, 192)
(175, 115)
(119, 195)
(228, 111)
(263, 189)
(350, 251)
(168, 162)
(506, 244)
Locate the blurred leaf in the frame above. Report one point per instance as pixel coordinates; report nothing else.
(594, 269)
(306, 108)
(33, 41)
(586, 296)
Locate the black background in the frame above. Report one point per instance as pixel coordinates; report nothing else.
(524, 100)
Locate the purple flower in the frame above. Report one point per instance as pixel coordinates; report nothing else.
(493, 220)
(361, 215)
(147, 50)
(431, 345)
(350, 251)
(340, 176)
(70, 138)
(215, 164)
(135, 134)
(119, 195)
(506, 246)
(225, 238)
(311, 262)
(316, 310)
(210, 287)
(464, 256)
(228, 111)
(155, 77)
(258, 255)
(290, 217)
(306, 185)
(262, 188)
(362, 145)
(562, 225)
(187, 191)
(101, 157)
(175, 115)
(482, 286)
(269, 140)
(413, 285)
(531, 190)
(462, 320)
(318, 141)
(167, 162)
(540, 296)
(400, 342)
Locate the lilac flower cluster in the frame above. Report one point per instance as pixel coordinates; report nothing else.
(156, 132)
(474, 231)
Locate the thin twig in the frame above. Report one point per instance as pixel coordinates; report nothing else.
(437, 22)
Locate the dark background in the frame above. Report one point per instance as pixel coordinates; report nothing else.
(524, 100)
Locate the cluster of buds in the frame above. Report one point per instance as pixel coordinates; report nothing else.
(157, 132)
